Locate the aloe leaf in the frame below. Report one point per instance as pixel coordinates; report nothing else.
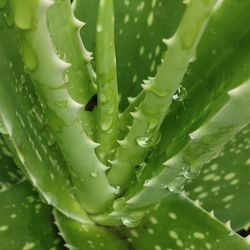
(178, 223)
(223, 185)
(224, 69)
(219, 67)
(79, 77)
(24, 128)
(88, 174)
(107, 92)
(204, 144)
(26, 222)
(81, 236)
(140, 27)
(175, 224)
(160, 90)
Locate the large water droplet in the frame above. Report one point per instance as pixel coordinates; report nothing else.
(144, 141)
(177, 185)
(180, 95)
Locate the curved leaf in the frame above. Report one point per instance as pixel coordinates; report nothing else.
(25, 222)
(177, 223)
(25, 126)
(224, 184)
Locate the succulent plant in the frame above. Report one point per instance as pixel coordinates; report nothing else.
(93, 156)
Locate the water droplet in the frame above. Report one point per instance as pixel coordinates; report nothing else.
(190, 173)
(177, 185)
(131, 221)
(144, 141)
(119, 203)
(94, 173)
(180, 95)
(140, 167)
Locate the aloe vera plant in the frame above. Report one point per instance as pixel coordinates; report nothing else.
(93, 156)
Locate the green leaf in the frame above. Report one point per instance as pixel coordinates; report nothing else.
(92, 189)
(224, 183)
(140, 27)
(159, 91)
(25, 222)
(179, 224)
(107, 93)
(176, 224)
(25, 127)
(223, 62)
(207, 84)
(84, 237)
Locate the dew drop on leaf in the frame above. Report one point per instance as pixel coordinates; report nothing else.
(130, 221)
(180, 95)
(144, 141)
(140, 167)
(191, 173)
(176, 185)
